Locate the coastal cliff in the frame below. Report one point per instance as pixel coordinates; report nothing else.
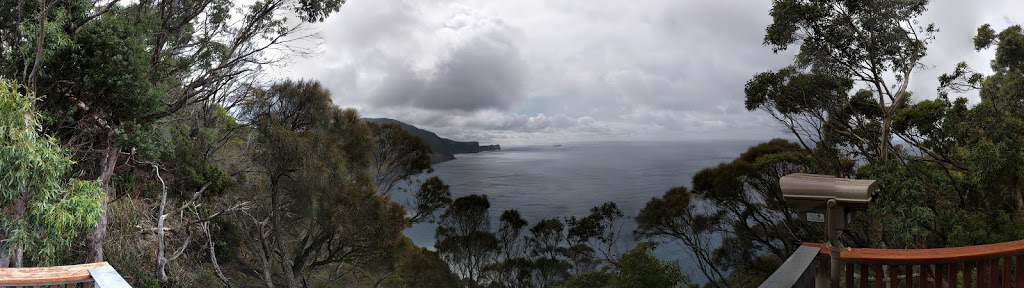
(443, 149)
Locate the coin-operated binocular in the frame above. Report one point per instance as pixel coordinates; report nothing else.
(830, 200)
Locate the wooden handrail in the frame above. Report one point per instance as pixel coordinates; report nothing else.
(991, 265)
(101, 273)
(932, 255)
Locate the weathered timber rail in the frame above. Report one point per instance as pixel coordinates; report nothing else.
(98, 275)
(991, 265)
(797, 271)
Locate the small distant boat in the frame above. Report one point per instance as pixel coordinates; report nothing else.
(558, 145)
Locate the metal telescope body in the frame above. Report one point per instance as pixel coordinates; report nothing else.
(824, 198)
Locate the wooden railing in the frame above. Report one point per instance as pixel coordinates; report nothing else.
(992, 265)
(99, 275)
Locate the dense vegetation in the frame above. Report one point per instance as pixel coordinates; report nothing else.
(142, 134)
(946, 166)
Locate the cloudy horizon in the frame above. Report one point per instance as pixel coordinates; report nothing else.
(538, 71)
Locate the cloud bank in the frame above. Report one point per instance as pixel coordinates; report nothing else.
(539, 71)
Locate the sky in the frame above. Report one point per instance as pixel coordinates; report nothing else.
(546, 71)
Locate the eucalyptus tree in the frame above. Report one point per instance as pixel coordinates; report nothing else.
(43, 210)
(877, 45)
(400, 157)
(318, 208)
(676, 216)
(966, 172)
(465, 240)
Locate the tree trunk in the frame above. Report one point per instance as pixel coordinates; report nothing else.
(886, 123)
(94, 241)
(213, 256)
(287, 265)
(161, 244)
(1020, 198)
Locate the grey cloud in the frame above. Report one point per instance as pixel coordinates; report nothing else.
(482, 74)
(531, 69)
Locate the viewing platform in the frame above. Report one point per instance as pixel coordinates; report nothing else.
(828, 200)
(992, 265)
(98, 275)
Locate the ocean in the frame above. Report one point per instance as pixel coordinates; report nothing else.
(545, 181)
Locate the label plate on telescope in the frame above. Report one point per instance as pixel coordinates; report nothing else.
(816, 217)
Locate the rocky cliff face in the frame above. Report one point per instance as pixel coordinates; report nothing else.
(443, 149)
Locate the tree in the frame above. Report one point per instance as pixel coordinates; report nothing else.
(43, 209)
(110, 71)
(398, 157)
(594, 239)
(677, 216)
(968, 188)
(637, 268)
(544, 242)
(842, 41)
(318, 206)
(464, 239)
(512, 268)
(431, 197)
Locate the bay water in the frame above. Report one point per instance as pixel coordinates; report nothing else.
(545, 181)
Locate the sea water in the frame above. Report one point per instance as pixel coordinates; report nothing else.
(545, 181)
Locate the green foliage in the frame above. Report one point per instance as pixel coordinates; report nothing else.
(954, 183)
(431, 197)
(398, 157)
(589, 279)
(423, 268)
(110, 66)
(741, 203)
(831, 34)
(636, 268)
(312, 186)
(544, 255)
(43, 209)
(464, 239)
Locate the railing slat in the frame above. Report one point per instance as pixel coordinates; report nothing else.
(879, 276)
(1006, 275)
(908, 276)
(864, 275)
(951, 275)
(1020, 271)
(993, 273)
(940, 272)
(894, 273)
(924, 268)
(849, 275)
(982, 274)
(968, 274)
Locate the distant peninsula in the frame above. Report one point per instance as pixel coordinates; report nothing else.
(443, 149)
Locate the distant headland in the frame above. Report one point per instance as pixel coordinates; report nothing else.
(443, 149)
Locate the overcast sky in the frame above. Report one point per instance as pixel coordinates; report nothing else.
(545, 71)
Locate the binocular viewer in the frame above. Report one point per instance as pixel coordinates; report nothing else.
(829, 200)
(810, 194)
